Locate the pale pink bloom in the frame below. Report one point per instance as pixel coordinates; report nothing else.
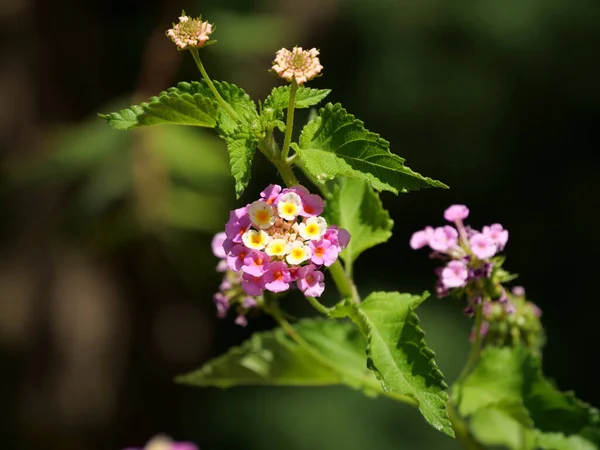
(277, 277)
(256, 263)
(297, 64)
(497, 234)
(456, 212)
(323, 252)
(270, 194)
(444, 239)
(421, 238)
(482, 246)
(238, 223)
(310, 281)
(222, 304)
(455, 274)
(222, 266)
(235, 258)
(252, 285)
(217, 245)
(190, 33)
(162, 442)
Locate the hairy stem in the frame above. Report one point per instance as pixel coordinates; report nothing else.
(343, 282)
(476, 347)
(211, 86)
(318, 306)
(289, 125)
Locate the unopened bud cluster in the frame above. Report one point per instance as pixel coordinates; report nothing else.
(273, 244)
(516, 322)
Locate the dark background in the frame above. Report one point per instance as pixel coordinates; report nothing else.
(106, 274)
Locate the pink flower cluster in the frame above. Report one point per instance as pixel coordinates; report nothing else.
(274, 242)
(190, 32)
(468, 252)
(162, 442)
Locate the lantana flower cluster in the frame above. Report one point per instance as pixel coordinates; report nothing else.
(190, 32)
(468, 254)
(297, 64)
(162, 442)
(273, 244)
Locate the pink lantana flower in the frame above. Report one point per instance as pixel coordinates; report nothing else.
(277, 278)
(455, 274)
(253, 285)
(323, 252)
(444, 239)
(310, 281)
(238, 223)
(456, 212)
(497, 234)
(421, 238)
(482, 246)
(312, 205)
(297, 64)
(256, 263)
(270, 194)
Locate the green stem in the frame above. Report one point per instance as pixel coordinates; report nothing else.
(476, 347)
(318, 306)
(286, 172)
(461, 430)
(343, 282)
(289, 125)
(211, 86)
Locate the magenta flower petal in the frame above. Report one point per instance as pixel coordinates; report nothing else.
(312, 205)
(310, 281)
(497, 234)
(270, 194)
(238, 224)
(253, 285)
(235, 258)
(217, 245)
(256, 263)
(277, 277)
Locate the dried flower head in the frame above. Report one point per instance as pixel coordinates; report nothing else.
(300, 65)
(190, 33)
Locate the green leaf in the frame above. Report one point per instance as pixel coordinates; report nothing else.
(336, 143)
(175, 106)
(241, 149)
(354, 205)
(188, 104)
(273, 358)
(513, 376)
(495, 426)
(305, 97)
(398, 354)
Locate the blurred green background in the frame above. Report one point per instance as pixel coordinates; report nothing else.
(106, 273)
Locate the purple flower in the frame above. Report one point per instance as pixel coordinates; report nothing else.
(310, 281)
(312, 205)
(444, 239)
(497, 234)
(222, 304)
(301, 191)
(323, 252)
(518, 291)
(277, 277)
(238, 224)
(482, 246)
(235, 258)
(256, 263)
(455, 274)
(217, 245)
(421, 238)
(252, 285)
(456, 212)
(270, 194)
(241, 320)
